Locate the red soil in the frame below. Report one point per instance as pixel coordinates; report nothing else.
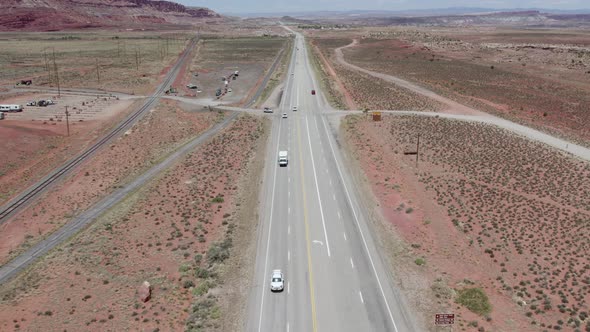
(91, 283)
(143, 144)
(457, 246)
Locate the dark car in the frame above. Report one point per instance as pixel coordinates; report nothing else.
(313, 92)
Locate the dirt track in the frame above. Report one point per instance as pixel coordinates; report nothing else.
(462, 112)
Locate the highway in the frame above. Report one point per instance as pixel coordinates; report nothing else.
(313, 228)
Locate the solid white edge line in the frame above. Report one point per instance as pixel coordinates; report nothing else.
(317, 187)
(357, 223)
(351, 263)
(288, 287)
(361, 295)
(274, 182)
(289, 256)
(271, 212)
(344, 236)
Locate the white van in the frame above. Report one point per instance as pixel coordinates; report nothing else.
(11, 108)
(283, 161)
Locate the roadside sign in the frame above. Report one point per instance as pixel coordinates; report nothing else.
(444, 319)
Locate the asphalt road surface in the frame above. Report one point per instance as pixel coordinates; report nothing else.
(313, 229)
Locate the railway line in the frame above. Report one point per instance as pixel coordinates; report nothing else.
(17, 203)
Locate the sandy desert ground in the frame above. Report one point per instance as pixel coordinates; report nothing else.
(484, 210)
(176, 234)
(538, 78)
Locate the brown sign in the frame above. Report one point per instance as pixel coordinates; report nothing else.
(444, 319)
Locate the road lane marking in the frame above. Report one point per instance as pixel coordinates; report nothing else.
(345, 239)
(289, 256)
(339, 215)
(307, 242)
(330, 181)
(289, 210)
(289, 229)
(351, 263)
(272, 200)
(361, 295)
(287, 326)
(288, 287)
(357, 224)
(334, 196)
(317, 187)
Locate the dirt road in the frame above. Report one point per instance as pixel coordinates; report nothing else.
(461, 112)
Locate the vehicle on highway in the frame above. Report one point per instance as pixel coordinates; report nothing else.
(268, 110)
(283, 160)
(284, 115)
(294, 108)
(11, 108)
(313, 92)
(276, 281)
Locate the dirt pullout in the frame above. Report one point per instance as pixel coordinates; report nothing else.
(219, 58)
(176, 233)
(36, 141)
(157, 134)
(369, 92)
(485, 209)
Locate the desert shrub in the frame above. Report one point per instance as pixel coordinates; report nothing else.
(420, 261)
(202, 289)
(188, 284)
(218, 252)
(217, 199)
(474, 299)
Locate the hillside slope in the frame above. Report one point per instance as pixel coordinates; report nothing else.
(51, 15)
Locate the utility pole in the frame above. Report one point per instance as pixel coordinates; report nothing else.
(97, 71)
(68, 120)
(417, 149)
(56, 74)
(137, 55)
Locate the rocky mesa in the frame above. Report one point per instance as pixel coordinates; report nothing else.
(55, 15)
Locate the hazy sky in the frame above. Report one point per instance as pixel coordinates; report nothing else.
(259, 6)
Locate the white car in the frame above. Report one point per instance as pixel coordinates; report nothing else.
(294, 108)
(267, 110)
(277, 281)
(284, 115)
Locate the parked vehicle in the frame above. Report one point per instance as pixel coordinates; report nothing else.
(218, 93)
(11, 108)
(32, 103)
(43, 103)
(1, 116)
(237, 73)
(191, 86)
(25, 82)
(313, 92)
(268, 110)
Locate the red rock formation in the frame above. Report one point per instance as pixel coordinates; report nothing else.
(50, 15)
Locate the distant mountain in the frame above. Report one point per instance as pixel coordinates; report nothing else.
(52, 15)
(410, 12)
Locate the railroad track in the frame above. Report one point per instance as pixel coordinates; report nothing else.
(35, 190)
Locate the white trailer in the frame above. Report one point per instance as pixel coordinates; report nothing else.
(11, 108)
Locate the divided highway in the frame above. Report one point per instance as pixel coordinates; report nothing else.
(314, 230)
